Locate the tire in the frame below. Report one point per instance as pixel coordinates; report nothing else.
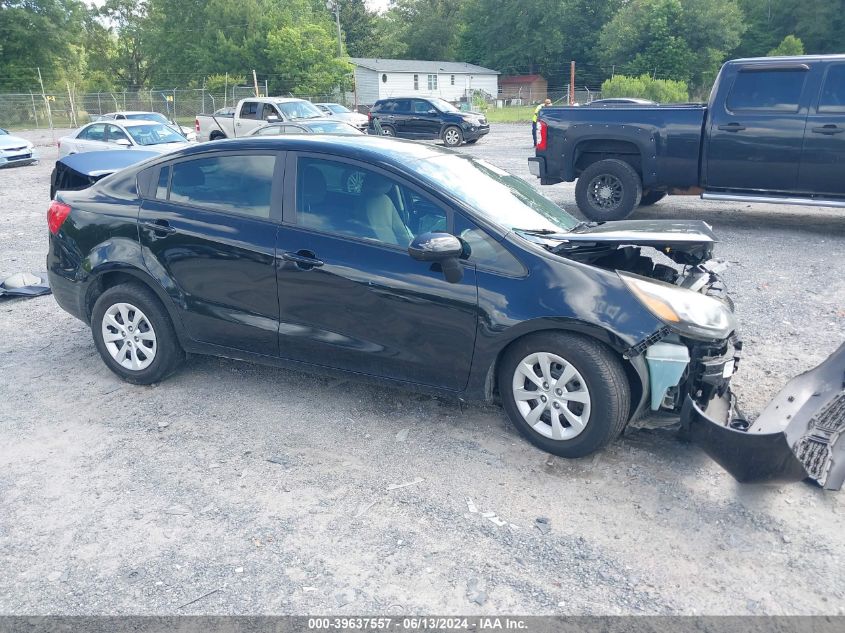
(452, 136)
(651, 197)
(387, 130)
(608, 190)
(595, 374)
(216, 136)
(156, 357)
(472, 142)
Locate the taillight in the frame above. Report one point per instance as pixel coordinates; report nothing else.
(542, 135)
(197, 125)
(369, 116)
(56, 215)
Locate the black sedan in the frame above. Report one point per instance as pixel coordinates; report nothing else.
(403, 263)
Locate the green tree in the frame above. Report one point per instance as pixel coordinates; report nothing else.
(645, 87)
(685, 40)
(819, 24)
(429, 29)
(38, 34)
(129, 20)
(790, 45)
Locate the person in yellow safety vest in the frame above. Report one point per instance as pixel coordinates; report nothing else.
(545, 103)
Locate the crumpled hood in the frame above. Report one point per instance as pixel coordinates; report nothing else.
(693, 238)
(8, 142)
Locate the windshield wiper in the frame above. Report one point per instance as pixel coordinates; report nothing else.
(538, 231)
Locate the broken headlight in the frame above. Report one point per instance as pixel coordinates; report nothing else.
(687, 312)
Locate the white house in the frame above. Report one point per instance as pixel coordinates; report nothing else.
(381, 78)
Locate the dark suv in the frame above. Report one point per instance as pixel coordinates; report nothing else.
(428, 118)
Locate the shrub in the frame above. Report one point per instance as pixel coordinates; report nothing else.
(644, 87)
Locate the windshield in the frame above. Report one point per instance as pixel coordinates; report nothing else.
(149, 116)
(443, 105)
(154, 134)
(504, 199)
(338, 109)
(332, 127)
(299, 110)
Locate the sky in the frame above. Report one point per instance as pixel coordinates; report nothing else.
(378, 5)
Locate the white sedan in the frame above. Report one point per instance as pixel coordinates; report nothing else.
(140, 115)
(147, 135)
(15, 150)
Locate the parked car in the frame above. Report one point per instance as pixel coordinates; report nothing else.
(440, 272)
(427, 118)
(621, 101)
(15, 150)
(342, 113)
(317, 126)
(75, 172)
(137, 115)
(147, 135)
(253, 113)
(771, 132)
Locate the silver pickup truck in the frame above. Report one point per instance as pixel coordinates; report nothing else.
(253, 113)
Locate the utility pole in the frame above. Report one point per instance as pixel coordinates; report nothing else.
(334, 6)
(572, 82)
(255, 82)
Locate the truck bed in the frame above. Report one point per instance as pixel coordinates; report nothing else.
(666, 139)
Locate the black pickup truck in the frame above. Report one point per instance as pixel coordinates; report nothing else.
(773, 131)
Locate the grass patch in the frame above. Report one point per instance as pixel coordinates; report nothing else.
(513, 114)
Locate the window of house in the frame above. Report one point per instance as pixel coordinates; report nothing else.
(384, 78)
(230, 183)
(772, 90)
(432, 82)
(416, 82)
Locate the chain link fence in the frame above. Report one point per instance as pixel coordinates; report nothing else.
(32, 110)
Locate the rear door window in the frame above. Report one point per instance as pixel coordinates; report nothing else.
(239, 184)
(249, 110)
(832, 99)
(767, 90)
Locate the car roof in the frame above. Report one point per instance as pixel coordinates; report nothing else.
(373, 149)
(132, 112)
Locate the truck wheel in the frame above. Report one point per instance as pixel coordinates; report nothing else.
(386, 130)
(651, 197)
(565, 393)
(608, 190)
(216, 136)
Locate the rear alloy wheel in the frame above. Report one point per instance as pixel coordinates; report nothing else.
(608, 190)
(452, 136)
(565, 393)
(133, 334)
(386, 130)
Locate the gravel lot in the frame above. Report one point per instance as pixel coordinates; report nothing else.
(254, 490)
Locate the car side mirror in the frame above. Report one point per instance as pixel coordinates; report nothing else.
(123, 142)
(273, 119)
(442, 248)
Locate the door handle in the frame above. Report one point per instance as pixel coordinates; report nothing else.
(306, 260)
(828, 129)
(732, 127)
(159, 226)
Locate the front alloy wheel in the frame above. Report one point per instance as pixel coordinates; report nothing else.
(129, 336)
(551, 396)
(452, 137)
(566, 393)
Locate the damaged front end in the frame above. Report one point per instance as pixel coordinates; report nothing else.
(796, 437)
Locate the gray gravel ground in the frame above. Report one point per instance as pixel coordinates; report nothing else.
(267, 491)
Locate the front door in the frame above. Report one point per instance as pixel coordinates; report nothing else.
(249, 118)
(822, 168)
(424, 121)
(351, 297)
(208, 233)
(757, 132)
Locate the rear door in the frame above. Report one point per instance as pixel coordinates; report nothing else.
(92, 138)
(823, 159)
(208, 232)
(248, 117)
(757, 131)
(350, 296)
